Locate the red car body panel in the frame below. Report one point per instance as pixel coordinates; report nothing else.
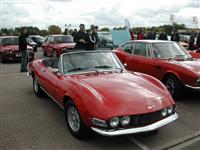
(104, 95)
(186, 71)
(195, 54)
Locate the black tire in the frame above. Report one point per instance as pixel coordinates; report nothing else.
(175, 88)
(80, 131)
(2, 59)
(36, 88)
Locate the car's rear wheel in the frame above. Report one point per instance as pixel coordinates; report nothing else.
(36, 87)
(75, 125)
(174, 86)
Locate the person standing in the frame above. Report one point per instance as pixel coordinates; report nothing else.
(74, 32)
(163, 36)
(94, 35)
(80, 38)
(175, 37)
(191, 42)
(198, 41)
(90, 41)
(132, 34)
(140, 36)
(23, 48)
(151, 35)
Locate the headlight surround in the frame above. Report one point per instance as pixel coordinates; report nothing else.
(164, 112)
(125, 121)
(99, 122)
(198, 81)
(170, 110)
(114, 122)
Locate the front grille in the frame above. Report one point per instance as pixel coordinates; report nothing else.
(146, 119)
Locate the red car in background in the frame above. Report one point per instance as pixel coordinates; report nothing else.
(55, 45)
(99, 94)
(9, 49)
(167, 61)
(195, 53)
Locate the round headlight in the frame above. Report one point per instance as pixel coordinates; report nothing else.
(164, 112)
(114, 122)
(125, 120)
(170, 109)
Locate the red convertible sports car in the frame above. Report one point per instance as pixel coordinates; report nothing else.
(9, 49)
(167, 61)
(55, 45)
(98, 94)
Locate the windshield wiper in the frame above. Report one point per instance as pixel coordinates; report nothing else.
(103, 67)
(76, 69)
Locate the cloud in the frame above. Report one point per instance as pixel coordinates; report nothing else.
(43, 13)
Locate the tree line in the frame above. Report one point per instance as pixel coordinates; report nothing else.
(55, 29)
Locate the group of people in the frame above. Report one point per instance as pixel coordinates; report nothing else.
(86, 40)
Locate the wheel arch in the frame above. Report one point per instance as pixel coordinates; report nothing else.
(167, 74)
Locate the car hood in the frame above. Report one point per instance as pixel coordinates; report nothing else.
(65, 45)
(193, 65)
(125, 93)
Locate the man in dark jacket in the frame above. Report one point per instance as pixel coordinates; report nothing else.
(175, 37)
(80, 38)
(191, 42)
(198, 41)
(162, 36)
(23, 49)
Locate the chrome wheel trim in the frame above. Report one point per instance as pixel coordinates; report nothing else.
(36, 86)
(73, 118)
(170, 86)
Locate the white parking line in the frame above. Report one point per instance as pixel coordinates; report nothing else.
(139, 144)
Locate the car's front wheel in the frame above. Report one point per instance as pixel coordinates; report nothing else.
(36, 87)
(74, 122)
(174, 86)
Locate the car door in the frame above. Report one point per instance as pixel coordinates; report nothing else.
(124, 51)
(51, 45)
(141, 60)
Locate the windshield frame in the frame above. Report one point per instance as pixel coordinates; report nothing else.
(114, 57)
(6, 44)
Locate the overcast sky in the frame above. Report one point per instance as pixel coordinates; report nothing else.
(110, 13)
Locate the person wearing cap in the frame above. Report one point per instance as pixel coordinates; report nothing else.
(80, 38)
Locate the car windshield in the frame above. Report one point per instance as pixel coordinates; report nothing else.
(63, 39)
(90, 61)
(9, 41)
(169, 50)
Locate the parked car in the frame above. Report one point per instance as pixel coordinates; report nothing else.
(37, 39)
(105, 40)
(9, 49)
(97, 93)
(54, 45)
(167, 61)
(195, 53)
(32, 44)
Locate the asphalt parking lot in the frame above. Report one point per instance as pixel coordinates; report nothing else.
(28, 122)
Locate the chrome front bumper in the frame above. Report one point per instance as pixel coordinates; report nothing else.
(154, 126)
(193, 87)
